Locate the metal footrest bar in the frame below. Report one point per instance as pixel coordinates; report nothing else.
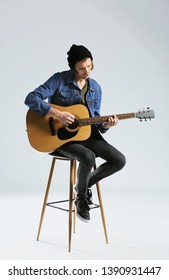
(52, 204)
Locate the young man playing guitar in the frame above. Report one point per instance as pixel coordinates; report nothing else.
(76, 87)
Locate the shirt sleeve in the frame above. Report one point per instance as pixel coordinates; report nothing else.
(97, 111)
(37, 99)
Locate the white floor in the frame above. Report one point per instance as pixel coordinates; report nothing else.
(137, 224)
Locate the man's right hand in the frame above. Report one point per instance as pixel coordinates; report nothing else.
(63, 116)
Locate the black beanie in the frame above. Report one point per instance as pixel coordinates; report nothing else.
(77, 53)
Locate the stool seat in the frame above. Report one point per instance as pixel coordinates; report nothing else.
(71, 211)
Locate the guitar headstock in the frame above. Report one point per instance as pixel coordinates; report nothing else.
(145, 114)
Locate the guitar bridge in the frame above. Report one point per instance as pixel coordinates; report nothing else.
(51, 126)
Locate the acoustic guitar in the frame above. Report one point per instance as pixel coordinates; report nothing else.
(46, 134)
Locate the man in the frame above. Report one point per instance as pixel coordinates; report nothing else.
(73, 87)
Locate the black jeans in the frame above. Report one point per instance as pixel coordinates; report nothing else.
(85, 152)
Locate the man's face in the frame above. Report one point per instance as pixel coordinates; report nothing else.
(83, 68)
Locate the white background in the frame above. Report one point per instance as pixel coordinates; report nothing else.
(129, 42)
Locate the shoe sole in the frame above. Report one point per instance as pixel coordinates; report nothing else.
(81, 218)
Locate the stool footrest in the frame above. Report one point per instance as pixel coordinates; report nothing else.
(52, 204)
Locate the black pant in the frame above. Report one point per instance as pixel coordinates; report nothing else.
(85, 152)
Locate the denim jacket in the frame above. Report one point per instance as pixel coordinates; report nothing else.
(62, 89)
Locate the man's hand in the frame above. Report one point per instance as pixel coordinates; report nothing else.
(111, 122)
(63, 116)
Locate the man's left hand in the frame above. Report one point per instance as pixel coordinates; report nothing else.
(111, 122)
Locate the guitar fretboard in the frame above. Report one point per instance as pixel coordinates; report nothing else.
(94, 120)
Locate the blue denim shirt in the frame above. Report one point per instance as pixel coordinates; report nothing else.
(62, 89)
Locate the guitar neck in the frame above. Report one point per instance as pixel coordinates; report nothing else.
(99, 119)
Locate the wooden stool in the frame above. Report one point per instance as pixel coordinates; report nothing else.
(70, 209)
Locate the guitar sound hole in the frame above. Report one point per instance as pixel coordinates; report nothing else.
(64, 134)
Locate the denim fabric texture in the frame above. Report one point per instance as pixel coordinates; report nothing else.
(62, 89)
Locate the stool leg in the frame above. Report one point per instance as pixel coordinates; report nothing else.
(70, 202)
(101, 208)
(46, 196)
(74, 181)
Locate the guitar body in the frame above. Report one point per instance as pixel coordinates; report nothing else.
(46, 134)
